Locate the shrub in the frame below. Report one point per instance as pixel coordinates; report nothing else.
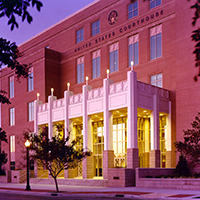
(182, 167)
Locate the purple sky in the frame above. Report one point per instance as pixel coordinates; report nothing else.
(52, 12)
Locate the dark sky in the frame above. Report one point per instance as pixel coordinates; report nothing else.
(52, 12)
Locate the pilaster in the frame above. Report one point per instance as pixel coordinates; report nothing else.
(108, 162)
(154, 158)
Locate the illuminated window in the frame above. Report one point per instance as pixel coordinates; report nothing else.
(96, 64)
(80, 70)
(12, 152)
(156, 42)
(12, 116)
(133, 10)
(133, 42)
(154, 3)
(11, 80)
(98, 147)
(156, 80)
(30, 111)
(114, 57)
(120, 141)
(30, 80)
(95, 27)
(79, 35)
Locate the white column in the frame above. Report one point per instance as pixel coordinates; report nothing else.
(108, 119)
(168, 137)
(67, 94)
(132, 110)
(36, 104)
(86, 120)
(50, 123)
(155, 124)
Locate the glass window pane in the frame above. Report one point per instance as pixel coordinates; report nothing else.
(153, 47)
(136, 54)
(111, 62)
(98, 67)
(159, 45)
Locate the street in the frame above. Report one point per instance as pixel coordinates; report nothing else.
(14, 196)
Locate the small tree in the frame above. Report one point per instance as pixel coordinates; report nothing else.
(56, 154)
(190, 147)
(3, 155)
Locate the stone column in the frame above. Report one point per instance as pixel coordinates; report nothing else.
(132, 149)
(108, 153)
(155, 150)
(87, 163)
(169, 140)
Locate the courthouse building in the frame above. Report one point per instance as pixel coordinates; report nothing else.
(138, 97)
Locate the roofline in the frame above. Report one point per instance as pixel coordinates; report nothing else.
(59, 22)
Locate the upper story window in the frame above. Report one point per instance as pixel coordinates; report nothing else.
(30, 80)
(11, 80)
(133, 47)
(156, 80)
(133, 10)
(95, 27)
(154, 3)
(80, 35)
(12, 116)
(80, 69)
(96, 64)
(30, 111)
(113, 55)
(156, 42)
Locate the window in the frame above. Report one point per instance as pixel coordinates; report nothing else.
(11, 86)
(95, 27)
(30, 80)
(114, 57)
(96, 64)
(156, 42)
(154, 3)
(80, 70)
(30, 111)
(79, 35)
(12, 116)
(156, 80)
(133, 42)
(12, 152)
(31, 165)
(133, 10)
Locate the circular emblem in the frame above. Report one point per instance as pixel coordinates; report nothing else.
(112, 17)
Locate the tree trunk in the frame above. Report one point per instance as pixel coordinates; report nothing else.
(56, 184)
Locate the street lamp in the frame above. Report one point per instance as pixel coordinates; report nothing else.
(27, 144)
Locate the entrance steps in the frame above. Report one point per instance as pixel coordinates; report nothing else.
(71, 181)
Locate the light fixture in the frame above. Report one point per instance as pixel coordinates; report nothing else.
(132, 63)
(38, 96)
(86, 78)
(68, 84)
(108, 72)
(144, 111)
(27, 145)
(52, 90)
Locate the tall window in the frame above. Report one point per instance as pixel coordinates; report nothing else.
(114, 57)
(133, 49)
(156, 80)
(80, 70)
(12, 116)
(11, 80)
(12, 152)
(30, 111)
(120, 141)
(156, 41)
(96, 64)
(79, 35)
(95, 27)
(154, 3)
(30, 80)
(133, 10)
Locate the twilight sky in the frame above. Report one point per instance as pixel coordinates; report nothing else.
(51, 12)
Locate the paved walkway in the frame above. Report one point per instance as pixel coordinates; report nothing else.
(129, 192)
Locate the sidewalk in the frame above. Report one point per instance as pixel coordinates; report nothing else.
(129, 192)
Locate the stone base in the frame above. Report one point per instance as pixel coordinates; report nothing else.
(132, 158)
(154, 158)
(168, 159)
(87, 165)
(108, 162)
